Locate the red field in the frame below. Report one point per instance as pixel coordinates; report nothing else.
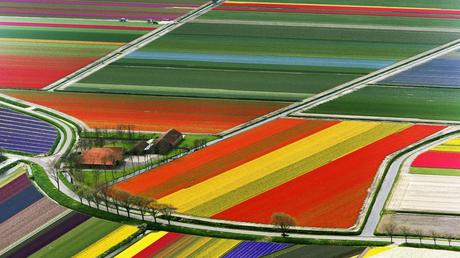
(148, 113)
(221, 157)
(17, 70)
(438, 159)
(332, 195)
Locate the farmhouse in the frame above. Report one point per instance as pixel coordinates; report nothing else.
(102, 157)
(166, 142)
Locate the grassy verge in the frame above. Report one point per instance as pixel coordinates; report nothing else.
(42, 180)
(8, 167)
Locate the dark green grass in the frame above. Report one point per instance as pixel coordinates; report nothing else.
(404, 102)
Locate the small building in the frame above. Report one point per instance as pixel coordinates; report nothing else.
(167, 142)
(143, 147)
(107, 157)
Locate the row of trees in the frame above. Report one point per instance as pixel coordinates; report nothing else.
(391, 229)
(111, 197)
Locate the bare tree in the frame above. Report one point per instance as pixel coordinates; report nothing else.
(167, 210)
(141, 203)
(404, 231)
(434, 235)
(389, 229)
(154, 209)
(419, 234)
(449, 237)
(124, 199)
(283, 222)
(103, 192)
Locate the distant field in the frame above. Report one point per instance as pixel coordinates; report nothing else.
(222, 55)
(149, 113)
(423, 103)
(100, 9)
(36, 52)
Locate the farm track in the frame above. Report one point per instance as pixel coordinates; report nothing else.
(367, 234)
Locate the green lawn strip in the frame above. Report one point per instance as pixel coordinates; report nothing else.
(404, 102)
(78, 238)
(187, 92)
(326, 18)
(435, 171)
(431, 246)
(43, 181)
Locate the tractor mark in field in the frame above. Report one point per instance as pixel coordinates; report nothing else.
(328, 25)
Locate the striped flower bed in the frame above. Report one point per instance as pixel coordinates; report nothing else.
(387, 11)
(251, 176)
(37, 52)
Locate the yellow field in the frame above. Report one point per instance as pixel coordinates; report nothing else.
(107, 242)
(449, 146)
(225, 183)
(141, 244)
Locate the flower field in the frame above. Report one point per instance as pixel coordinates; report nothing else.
(25, 133)
(426, 91)
(215, 183)
(97, 9)
(37, 52)
(163, 244)
(152, 113)
(443, 159)
(223, 53)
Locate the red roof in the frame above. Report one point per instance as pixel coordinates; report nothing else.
(102, 156)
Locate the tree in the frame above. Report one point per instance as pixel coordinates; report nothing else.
(167, 210)
(405, 232)
(103, 191)
(283, 222)
(419, 234)
(154, 209)
(124, 199)
(80, 192)
(141, 203)
(449, 237)
(389, 229)
(434, 235)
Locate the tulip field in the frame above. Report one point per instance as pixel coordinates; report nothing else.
(223, 182)
(426, 91)
(431, 182)
(443, 159)
(152, 113)
(97, 9)
(231, 52)
(164, 244)
(275, 120)
(37, 52)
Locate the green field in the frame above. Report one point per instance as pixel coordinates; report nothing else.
(435, 171)
(404, 102)
(334, 53)
(78, 238)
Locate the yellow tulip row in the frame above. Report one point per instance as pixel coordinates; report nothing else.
(259, 175)
(107, 242)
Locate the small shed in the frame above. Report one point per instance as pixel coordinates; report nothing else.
(166, 142)
(102, 157)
